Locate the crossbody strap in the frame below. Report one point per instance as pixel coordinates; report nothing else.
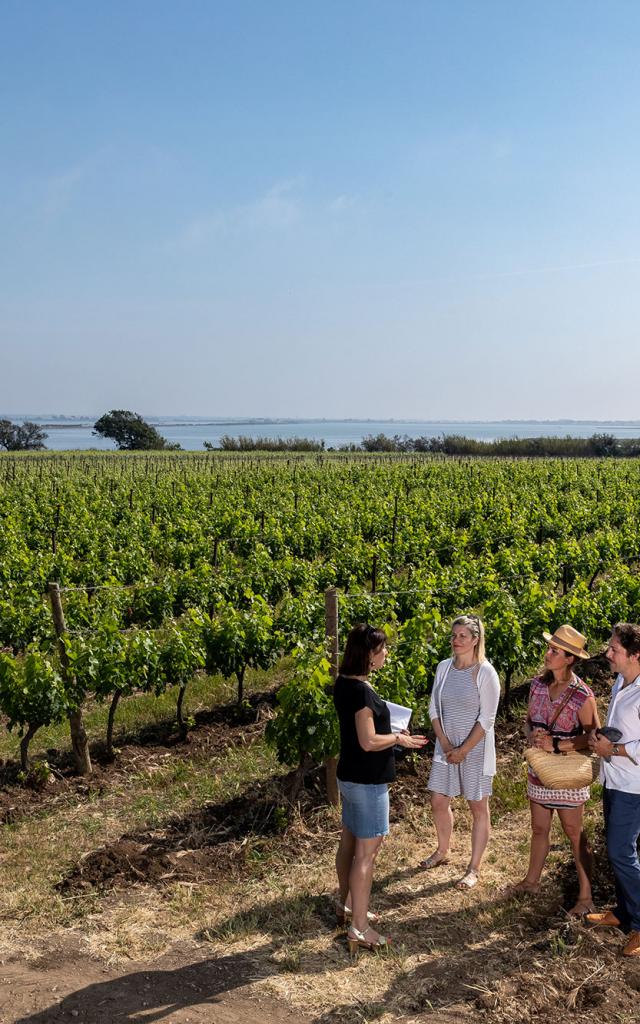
(571, 689)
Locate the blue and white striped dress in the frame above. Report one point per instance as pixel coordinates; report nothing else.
(459, 707)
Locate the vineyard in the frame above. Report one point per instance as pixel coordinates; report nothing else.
(172, 565)
(162, 578)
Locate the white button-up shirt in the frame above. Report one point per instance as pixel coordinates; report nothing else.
(624, 714)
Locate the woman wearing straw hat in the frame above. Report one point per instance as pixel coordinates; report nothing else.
(562, 712)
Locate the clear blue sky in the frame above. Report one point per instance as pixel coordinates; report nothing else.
(409, 208)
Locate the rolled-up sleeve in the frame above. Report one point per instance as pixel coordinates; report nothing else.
(489, 694)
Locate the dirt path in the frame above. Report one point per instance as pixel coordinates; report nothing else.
(205, 992)
(63, 988)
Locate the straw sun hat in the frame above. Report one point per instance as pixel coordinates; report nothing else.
(566, 638)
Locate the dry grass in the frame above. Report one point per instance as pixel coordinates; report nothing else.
(39, 850)
(454, 954)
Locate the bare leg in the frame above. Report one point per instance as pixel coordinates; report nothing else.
(540, 829)
(344, 860)
(360, 878)
(480, 830)
(571, 820)
(443, 818)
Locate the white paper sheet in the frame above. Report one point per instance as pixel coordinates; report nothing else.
(400, 717)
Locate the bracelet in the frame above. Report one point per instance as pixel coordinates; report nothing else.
(556, 744)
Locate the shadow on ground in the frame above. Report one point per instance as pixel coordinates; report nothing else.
(153, 995)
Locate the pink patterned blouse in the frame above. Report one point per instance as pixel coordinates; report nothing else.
(541, 712)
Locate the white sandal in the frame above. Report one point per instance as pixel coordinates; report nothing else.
(469, 880)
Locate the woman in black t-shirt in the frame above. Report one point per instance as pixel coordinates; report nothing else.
(365, 768)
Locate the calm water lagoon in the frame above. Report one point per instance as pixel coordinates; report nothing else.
(191, 433)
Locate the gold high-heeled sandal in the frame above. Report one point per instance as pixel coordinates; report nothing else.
(358, 940)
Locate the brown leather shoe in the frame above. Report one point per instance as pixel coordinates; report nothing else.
(632, 947)
(607, 919)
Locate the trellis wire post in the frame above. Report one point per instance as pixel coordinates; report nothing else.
(79, 741)
(331, 633)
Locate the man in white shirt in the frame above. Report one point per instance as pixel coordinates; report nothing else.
(620, 773)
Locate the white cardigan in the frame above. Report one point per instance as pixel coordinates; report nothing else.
(489, 693)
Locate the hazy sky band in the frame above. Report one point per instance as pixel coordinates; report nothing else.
(404, 209)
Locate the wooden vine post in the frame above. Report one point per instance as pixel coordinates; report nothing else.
(79, 740)
(331, 632)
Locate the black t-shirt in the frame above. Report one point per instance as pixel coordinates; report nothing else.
(355, 764)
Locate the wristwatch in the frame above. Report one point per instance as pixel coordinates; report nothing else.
(556, 744)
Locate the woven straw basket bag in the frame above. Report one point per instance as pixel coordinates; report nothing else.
(571, 770)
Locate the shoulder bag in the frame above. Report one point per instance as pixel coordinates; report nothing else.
(570, 769)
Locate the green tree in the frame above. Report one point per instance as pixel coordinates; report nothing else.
(130, 431)
(99, 666)
(242, 638)
(505, 642)
(32, 694)
(25, 437)
(604, 445)
(305, 726)
(182, 654)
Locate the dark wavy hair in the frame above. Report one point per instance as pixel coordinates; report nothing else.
(362, 642)
(628, 633)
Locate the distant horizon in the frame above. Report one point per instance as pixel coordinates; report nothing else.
(185, 418)
(192, 433)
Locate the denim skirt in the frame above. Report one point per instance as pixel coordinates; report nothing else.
(365, 808)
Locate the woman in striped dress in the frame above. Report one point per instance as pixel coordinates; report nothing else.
(463, 707)
(562, 712)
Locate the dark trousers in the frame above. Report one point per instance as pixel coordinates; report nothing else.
(622, 826)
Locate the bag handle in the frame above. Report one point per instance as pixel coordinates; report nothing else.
(567, 697)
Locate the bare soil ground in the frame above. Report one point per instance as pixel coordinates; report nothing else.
(63, 985)
(222, 911)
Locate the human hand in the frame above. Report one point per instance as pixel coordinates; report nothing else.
(405, 739)
(456, 755)
(542, 740)
(600, 745)
(532, 737)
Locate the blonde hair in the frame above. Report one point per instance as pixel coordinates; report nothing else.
(474, 624)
